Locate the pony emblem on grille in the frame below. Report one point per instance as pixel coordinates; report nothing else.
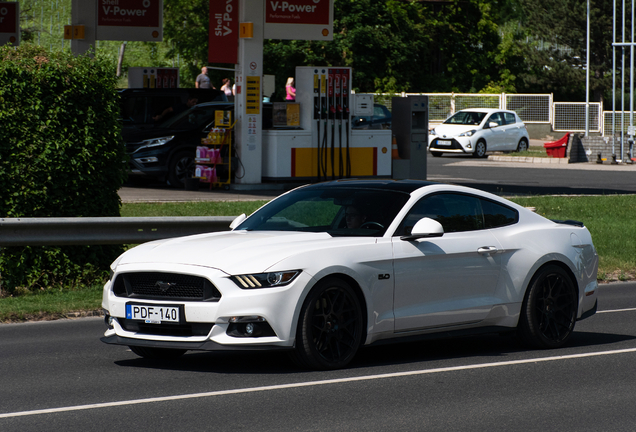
(164, 286)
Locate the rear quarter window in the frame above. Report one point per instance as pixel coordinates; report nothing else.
(498, 215)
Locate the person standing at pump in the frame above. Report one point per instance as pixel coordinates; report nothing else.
(289, 88)
(227, 88)
(203, 81)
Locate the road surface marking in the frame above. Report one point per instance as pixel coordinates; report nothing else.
(310, 383)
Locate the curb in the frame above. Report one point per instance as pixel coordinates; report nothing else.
(536, 160)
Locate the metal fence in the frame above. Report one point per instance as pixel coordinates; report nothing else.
(106, 230)
(620, 122)
(570, 117)
(531, 108)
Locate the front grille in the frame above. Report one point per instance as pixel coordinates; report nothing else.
(166, 329)
(161, 286)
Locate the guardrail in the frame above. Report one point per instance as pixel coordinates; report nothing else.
(104, 230)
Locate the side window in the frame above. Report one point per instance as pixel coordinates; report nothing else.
(159, 103)
(378, 112)
(496, 117)
(498, 215)
(456, 213)
(134, 110)
(510, 118)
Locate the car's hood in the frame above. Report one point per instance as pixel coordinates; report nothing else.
(450, 130)
(234, 252)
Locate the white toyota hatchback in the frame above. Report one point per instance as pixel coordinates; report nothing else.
(476, 131)
(327, 268)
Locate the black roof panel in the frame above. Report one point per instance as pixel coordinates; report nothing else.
(407, 186)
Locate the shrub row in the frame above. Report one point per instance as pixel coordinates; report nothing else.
(61, 155)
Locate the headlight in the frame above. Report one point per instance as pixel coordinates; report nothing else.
(432, 132)
(265, 280)
(154, 142)
(468, 133)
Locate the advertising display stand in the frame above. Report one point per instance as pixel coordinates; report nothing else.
(214, 155)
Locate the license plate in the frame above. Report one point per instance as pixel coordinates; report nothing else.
(152, 314)
(443, 142)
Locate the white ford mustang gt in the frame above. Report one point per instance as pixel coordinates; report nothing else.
(326, 268)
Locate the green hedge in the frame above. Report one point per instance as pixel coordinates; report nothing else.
(61, 155)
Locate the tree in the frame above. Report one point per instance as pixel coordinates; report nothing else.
(396, 46)
(556, 48)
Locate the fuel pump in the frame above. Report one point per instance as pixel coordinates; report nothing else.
(345, 116)
(331, 100)
(317, 114)
(322, 152)
(338, 119)
(310, 151)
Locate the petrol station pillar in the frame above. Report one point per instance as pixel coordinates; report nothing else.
(249, 98)
(83, 13)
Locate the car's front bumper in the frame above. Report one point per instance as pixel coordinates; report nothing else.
(454, 145)
(277, 306)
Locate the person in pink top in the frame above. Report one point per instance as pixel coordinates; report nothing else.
(291, 91)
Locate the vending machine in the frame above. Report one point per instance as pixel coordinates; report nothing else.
(324, 146)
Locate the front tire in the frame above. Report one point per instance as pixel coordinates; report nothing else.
(549, 309)
(436, 154)
(330, 326)
(181, 167)
(480, 149)
(157, 353)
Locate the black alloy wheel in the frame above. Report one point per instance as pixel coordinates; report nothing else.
(330, 326)
(181, 167)
(549, 310)
(480, 149)
(523, 145)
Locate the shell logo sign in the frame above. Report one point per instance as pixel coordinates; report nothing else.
(224, 31)
(133, 20)
(299, 19)
(297, 11)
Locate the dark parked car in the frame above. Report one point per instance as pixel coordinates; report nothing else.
(166, 151)
(139, 106)
(381, 119)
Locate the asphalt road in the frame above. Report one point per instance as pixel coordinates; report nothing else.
(58, 376)
(506, 178)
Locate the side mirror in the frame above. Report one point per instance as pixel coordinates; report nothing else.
(236, 222)
(492, 124)
(425, 228)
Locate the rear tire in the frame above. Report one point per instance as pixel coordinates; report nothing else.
(157, 353)
(480, 149)
(523, 145)
(548, 313)
(330, 326)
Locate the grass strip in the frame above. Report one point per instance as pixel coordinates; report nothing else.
(610, 221)
(52, 304)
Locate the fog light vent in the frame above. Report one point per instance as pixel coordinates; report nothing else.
(249, 326)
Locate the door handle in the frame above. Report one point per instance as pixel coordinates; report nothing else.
(487, 250)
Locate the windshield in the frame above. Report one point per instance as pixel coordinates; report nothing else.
(195, 117)
(466, 118)
(338, 211)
